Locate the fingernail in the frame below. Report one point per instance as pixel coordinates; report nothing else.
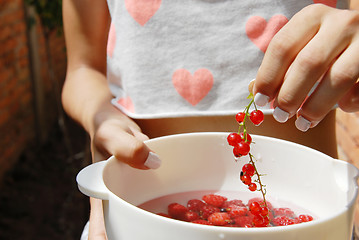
(280, 115)
(261, 99)
(302, 124)
(250, 85)
(153, 161)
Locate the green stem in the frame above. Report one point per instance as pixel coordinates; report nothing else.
(261, 189)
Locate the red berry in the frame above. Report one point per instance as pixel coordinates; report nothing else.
(236, 202)
(256, 117)
(195, 205)
(191, 216)
(233, 139)
(264, 211)
(252, 187)
(177, 211)
(219, 218)
(214, 199)
(244, 221)
(240, 117)
(283, 221)
(260, 221)
(246, 179)
(246, 137)
(305, 218)
(283, 212)
(260, 201)
(236, 211)
(241, 149)
(248, 169)
(207, 210)
(255, 208)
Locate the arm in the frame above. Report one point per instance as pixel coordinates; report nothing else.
(86, 96)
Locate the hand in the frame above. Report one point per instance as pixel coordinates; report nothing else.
(115, 134)
(319, 45)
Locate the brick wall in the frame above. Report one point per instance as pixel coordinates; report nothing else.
(19, 112)
(347, 128)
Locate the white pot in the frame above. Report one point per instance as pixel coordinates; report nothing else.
(203, 161)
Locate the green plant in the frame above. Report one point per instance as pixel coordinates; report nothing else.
(49, 12)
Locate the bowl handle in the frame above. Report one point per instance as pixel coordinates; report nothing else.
(90, 181)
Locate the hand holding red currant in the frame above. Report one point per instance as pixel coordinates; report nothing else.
(241, 141)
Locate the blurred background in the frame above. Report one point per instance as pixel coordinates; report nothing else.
(41, 149)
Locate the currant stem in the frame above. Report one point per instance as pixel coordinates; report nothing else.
(243, 124)
(242, 127)
(261, 189)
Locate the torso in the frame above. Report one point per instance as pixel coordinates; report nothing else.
(169, 58)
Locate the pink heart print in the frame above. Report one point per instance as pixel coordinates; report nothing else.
(127, 104)
(261, 32)
(142, 10)
(111, 42)
(194, 87)
(330, 3)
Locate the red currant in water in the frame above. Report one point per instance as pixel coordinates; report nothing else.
(240, 117)
(233, 139)
(255, 208)
(256, 117)
(241, 149)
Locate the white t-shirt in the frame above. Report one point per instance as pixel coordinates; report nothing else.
(174, 58)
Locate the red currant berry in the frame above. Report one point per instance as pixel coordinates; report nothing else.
(255, 208)
(247, 138)
(260, 221)
(248, 169)
(246, 179)
(264, 211)
(252, 187)
(236, 152)
(305, 218)
(177, 211)
(240, 117)
(233, 139)
(256, 117)
(242, 149)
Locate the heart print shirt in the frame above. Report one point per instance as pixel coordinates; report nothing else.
(175, 58)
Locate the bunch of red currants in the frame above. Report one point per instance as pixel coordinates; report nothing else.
(241, 141)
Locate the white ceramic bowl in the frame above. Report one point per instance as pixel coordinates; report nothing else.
(203, 161)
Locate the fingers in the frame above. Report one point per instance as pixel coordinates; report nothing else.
(282, 51)
(126, 144)
(97, 225)
(313, 69)
(339, 85)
